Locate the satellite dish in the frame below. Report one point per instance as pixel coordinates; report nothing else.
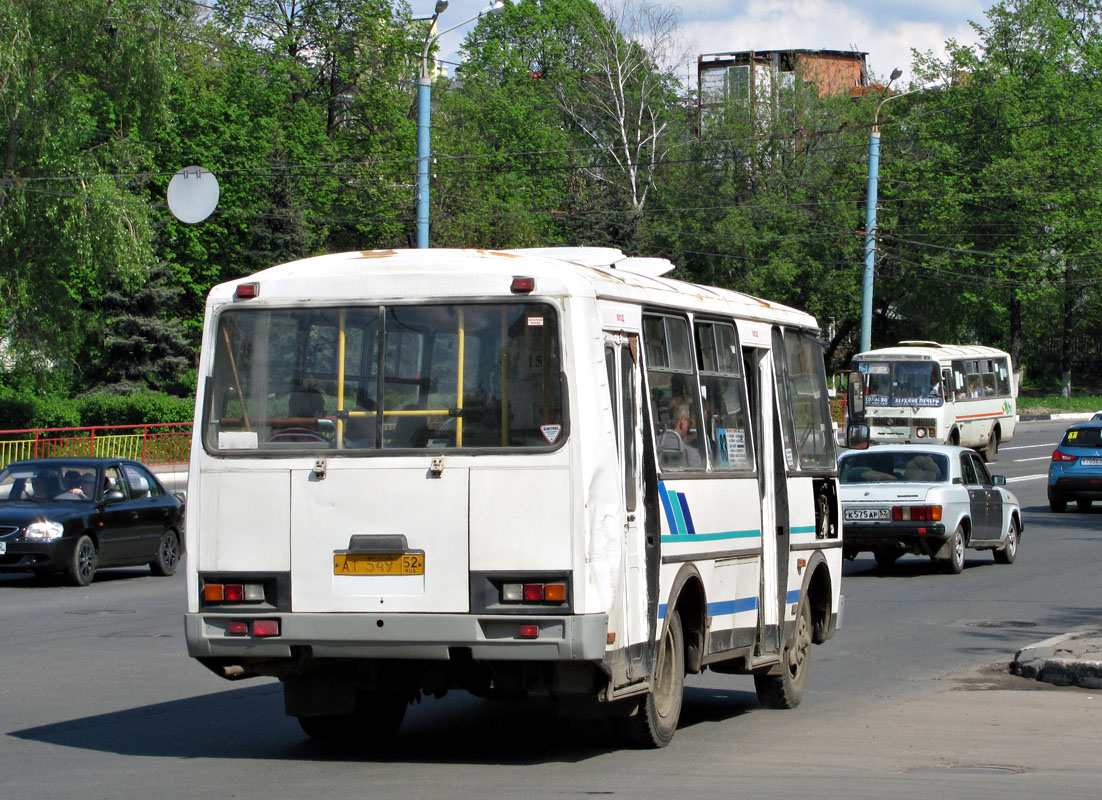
(192, 194)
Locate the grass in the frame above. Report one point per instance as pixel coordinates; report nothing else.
(1054, 404)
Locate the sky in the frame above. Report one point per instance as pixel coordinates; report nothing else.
(885, 29)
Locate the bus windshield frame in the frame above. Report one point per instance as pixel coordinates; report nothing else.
(377, 378)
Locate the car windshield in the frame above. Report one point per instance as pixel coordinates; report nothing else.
(1083, 437)
(46, 482)
(880, 467)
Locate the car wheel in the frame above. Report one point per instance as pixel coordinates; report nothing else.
(1009, 551)
(886, 557)
(955, 562)
(375, 721)
(992, 448)
(1057, 506)
(654, 722)
(82, 565)
(168, 555)
(787, 689)
(1083, 505)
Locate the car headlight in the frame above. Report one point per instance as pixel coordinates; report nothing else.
(44, 531)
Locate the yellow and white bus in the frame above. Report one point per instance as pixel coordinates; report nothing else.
(952, 394)
(556, 470)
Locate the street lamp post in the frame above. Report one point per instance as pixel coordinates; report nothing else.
(870, 220)
(424, 105)
(870, 209)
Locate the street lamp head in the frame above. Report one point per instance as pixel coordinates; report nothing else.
(493, 7)
(895, 74)
(441, 6)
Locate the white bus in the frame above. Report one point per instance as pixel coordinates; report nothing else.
(503, 472)
(952, 394)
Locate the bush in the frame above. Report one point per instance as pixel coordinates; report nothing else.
(22, 410)
(134, 409)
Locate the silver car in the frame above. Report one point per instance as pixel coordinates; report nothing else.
(933, 500)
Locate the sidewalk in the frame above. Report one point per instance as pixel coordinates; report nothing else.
(1071, 659)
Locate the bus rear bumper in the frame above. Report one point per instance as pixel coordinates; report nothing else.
(431, 637)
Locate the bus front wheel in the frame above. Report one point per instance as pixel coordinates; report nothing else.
(654, 721)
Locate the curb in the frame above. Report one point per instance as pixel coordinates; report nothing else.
(1036, 417)
(1071, 659)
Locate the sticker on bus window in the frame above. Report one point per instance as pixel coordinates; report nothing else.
(731, 447)
(551, 432)
(535, 322)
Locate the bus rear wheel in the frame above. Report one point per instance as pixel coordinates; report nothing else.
(654, 721)
(992, 448)
(374, 721)
(786, 690)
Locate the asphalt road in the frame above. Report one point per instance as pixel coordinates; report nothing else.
(911, 698)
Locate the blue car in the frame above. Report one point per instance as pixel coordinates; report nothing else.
(1075, 472)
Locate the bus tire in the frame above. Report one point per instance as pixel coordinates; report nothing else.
(992, 448)
(374, 721)
(786, 690)
(654, 721)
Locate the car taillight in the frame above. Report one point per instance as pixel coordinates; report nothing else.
(1058, 456)
(916, 513)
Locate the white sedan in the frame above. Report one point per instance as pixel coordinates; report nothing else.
(933, 500)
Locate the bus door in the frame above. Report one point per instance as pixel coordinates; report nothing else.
(760, 377)
(622, 365)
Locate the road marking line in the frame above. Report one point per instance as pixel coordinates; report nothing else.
(1025, 478)
(1038, 458)
(1024, 446)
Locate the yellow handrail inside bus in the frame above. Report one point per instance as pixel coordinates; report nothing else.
(459, 380)
(340, 378)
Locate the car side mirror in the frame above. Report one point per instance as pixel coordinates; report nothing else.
(998, 480)
(113, 496)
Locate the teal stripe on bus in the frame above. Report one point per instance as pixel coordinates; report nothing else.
(710, 537)
(804, 529)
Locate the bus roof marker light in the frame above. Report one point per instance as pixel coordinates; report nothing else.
(246, 291)
(522, 285)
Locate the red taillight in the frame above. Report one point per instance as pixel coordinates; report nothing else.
(233, 593)
(237, 628)
(528, 631)
(522, 285)
(533, 592)
(916, 513)
(1058, 456)
(266, 627)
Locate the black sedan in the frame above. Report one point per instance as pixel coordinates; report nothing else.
(74, 516)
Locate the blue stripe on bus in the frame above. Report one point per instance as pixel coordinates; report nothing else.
(706, 537)
(666, 506)
(678, 523)
(684, 502)
(722, 607)
(804, 529)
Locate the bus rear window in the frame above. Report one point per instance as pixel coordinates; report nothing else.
(386, 378)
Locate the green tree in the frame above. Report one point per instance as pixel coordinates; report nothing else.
(82, 89)
(998, 199)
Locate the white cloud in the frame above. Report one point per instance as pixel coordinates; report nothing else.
(885, 29)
